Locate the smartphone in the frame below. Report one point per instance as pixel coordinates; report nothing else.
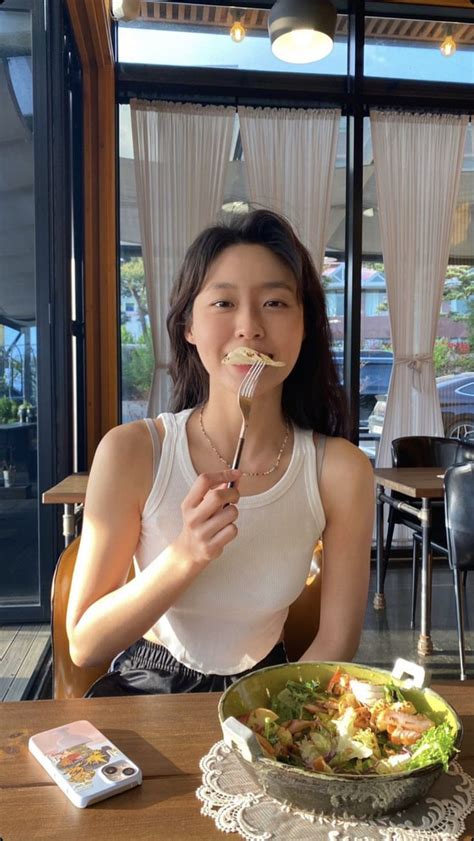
(84, 763)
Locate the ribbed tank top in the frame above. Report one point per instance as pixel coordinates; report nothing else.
(233, 613)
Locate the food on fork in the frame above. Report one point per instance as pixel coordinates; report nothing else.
(247, 356)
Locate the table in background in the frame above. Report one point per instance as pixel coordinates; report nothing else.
(166, 735)
(71, 493)
(425, 483)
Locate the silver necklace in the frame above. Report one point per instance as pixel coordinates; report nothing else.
(256, 472)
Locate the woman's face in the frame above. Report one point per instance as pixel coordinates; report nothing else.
(249, 297)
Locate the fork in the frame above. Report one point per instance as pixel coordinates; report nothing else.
(244, 397)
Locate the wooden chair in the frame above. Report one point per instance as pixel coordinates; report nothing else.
(302, 623)
(70, 681)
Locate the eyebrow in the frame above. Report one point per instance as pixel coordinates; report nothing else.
(269, 284)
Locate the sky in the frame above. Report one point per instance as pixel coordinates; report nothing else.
(200, 49)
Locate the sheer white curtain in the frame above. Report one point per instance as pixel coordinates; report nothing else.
(418, 161)
(181, 152)
(289, 158)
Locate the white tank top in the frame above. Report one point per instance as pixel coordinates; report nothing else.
(233, 613)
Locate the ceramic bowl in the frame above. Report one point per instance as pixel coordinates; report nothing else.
(341, 794)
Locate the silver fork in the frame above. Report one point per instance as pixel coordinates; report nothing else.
(244, 397)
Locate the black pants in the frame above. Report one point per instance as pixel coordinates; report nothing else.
(149, 669)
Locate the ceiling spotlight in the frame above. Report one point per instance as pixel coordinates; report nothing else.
(237, 31)
(302, 31)
(448, 47)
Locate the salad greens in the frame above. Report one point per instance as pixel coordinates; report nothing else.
(289, 703)
(350, 727)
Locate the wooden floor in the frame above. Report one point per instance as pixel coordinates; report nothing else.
(24, 659)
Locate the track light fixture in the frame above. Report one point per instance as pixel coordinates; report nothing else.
(302, 31)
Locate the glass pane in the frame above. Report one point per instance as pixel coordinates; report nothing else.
(334, 270)
(200, 36)
(18, 349)
(136, 349)
(376, 345)
(411, 49)
(454, 345)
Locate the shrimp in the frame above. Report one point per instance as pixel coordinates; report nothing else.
(404, 728)
(382, 708)
(339, 683)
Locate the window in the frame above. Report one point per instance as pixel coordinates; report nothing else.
(410, 49)
(137, 361)
(19, 582)
(189, 35)
(395, 48)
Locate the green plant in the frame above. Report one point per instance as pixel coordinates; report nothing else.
(137, 366)
(132, 281)
(8, 410)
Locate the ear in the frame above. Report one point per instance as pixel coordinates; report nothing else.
(188, 335)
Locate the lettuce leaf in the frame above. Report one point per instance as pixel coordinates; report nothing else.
(436, 745)
(288, 704)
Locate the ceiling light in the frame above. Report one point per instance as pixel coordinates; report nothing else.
(237, 31)
(448, 47)
(302, 31)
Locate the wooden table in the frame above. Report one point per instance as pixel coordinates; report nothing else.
(425, 483)
(166, 735)
(70, 493)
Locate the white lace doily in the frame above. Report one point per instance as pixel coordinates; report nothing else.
(238, 804)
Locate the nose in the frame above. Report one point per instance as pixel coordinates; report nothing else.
(249, 324)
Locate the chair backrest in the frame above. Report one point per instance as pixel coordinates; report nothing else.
(69, 681)
(302, 623)
(430, 451)
(459, 504)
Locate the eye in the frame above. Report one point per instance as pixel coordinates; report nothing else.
(222, 304)
(275, 303)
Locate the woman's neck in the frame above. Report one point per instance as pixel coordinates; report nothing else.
(214, 428)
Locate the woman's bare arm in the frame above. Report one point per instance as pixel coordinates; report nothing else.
(347, 492)
(105, 615)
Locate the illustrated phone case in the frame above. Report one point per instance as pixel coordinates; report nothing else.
(84, 763)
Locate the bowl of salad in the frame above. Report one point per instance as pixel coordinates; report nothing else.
(341, 738)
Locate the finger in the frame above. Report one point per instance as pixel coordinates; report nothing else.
(213, 525)
(213, 503)
(214, 499)
(207, 481)
(222, 538)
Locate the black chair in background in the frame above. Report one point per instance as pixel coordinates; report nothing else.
(422, 451)
(459, 499)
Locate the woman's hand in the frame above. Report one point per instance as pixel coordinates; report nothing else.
(209, 513)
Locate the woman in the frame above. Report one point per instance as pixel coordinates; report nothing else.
(217, 566)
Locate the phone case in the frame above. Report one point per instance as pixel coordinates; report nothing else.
(84, 763)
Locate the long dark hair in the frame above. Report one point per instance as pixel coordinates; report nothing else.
(312, 395)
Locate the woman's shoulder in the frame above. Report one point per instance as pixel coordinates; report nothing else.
(126, 451)
(133, 436)
(344, 463)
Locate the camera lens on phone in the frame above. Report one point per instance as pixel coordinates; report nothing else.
(111, 769)
(128, 771)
